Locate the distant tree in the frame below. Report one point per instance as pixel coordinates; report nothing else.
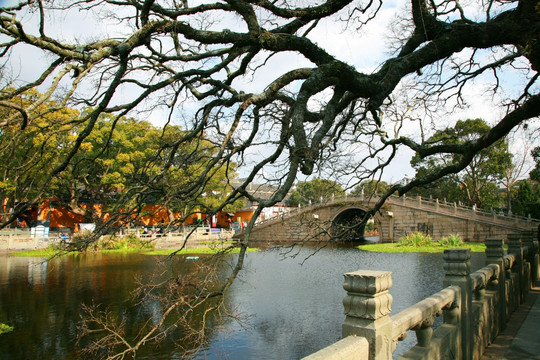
(370, 187)
(526, 201)
(535, 173)
(119, 161)
(315, 191)
(513, 173)
(478, 180)
(27, 156)
(447, 188)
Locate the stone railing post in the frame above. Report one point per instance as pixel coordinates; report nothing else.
(495, 255)
(457, 268)
(529, 238)
(367, 307)
(515, 246)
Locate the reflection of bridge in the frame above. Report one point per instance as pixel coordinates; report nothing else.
(397, 217)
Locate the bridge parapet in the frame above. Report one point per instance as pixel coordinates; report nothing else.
(476, 306)
(398, 216)
(436, 205)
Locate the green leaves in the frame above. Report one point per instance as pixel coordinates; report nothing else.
(315, 191)
(477, 183)
(121, 166)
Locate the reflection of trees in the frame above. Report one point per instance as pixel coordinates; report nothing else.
(47, 313)
(180, 302)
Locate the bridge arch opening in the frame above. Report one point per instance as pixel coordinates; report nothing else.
(345, 225)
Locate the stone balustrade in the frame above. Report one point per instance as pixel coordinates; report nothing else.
(475, 306)
(398, 217)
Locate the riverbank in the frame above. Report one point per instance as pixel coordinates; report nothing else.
(208, 248)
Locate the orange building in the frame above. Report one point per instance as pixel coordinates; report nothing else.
(58, 217)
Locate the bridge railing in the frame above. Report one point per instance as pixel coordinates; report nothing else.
(436, 205)
(475, 306)
(469, 211)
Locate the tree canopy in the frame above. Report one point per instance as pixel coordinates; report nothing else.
(121, 156)
(535, 173)
(370, 187)
(315, 191)
(203, 66)
(477, 183)
(526, 201)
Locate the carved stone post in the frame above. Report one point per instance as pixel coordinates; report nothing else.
(515, 246)
(529, 239)
(367, 307)
(536, 238)
(495, 255)
(457, 268)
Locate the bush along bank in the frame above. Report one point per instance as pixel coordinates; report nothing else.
(420, 242)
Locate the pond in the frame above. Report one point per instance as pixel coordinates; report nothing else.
(290, 303)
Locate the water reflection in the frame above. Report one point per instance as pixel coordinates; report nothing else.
(289, 308)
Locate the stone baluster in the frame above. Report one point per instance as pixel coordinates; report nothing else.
(515, 246)
(367, 307)
(424, 332)
(536, 242)
(529, 238)
(457, 268)
(495, 255)
(480, 293)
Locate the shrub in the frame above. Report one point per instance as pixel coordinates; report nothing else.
(453, 240)
(370, 226)
(81, 240)
(123, 243)
(84, 241)
(415, 239)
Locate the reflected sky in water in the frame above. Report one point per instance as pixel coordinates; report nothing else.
(289, 307)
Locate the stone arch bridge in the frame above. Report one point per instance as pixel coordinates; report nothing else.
(397, 217)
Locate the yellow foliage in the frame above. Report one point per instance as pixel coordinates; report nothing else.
(123, 157)
(86, 146)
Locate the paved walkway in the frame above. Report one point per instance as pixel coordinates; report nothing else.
(521, 338)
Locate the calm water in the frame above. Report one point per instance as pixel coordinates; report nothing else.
(290, 307)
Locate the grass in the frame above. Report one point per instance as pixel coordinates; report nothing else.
(227, 242)
(419, 242)
(435, 247)
(48, 252)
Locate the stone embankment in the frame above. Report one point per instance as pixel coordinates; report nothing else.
(21, 239)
